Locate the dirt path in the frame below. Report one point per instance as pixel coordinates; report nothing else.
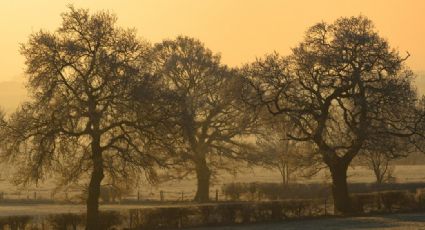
(414, 221)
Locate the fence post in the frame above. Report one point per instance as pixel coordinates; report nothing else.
(35, 195)
(216, 195)
(138, 195)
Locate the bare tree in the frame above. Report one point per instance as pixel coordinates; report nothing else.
(341, 87)
(418, 128)
(381, 148)
(82, 119)
(277, 151)
(379, 163)
(210, 119)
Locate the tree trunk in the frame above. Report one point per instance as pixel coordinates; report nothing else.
(287, 172)
(94, 187)
(342, 202)
(282, 174)
(203, 176)
(379, 175)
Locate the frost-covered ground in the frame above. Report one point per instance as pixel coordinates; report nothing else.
(173, 189)
(414, 221)
(46, 209)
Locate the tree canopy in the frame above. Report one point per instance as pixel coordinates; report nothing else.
(211, 118)
(82, 119)
(341, 87)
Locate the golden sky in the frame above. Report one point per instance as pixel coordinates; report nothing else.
(238, 29)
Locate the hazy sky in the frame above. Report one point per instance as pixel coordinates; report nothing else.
(239, 29)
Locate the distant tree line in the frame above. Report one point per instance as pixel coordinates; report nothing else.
(107, 105)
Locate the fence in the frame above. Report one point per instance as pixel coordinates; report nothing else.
(227, 192)
(77, 196)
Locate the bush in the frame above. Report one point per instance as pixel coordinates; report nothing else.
(374, 187)
(230, 213)
(364, 202)
(296, 208)
(207, 214)
(274, 191)
(110, 220)
(222, 214)
(234, 190)
(277, 191)
(15, 222)
(399, 200)
(420, 198)
(160, 218)
(270, 191)
(386, 201)
(270, 211)
(65, 221)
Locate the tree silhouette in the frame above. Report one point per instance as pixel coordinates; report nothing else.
(341, 87)
(379, 163)
(382, 147)
(82, 119)
(210, 119)
(279, 152)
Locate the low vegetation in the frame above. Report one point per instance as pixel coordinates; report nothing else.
(275, 191)
(228, 213)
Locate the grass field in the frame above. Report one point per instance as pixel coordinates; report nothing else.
(403, 173)
(174, 189)
(414, 173)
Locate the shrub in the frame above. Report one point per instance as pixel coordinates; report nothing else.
(270, 191)
(420, 198)
(15, 222)
(65, 221)
(228, 213)
(207, 214)
(274, 191)
(365, 202)
(234, 190)
(160, 218)
(110, 220)
(401, 200)
(385, 201)
(3, 222)
(253, 191)
(277, 191)
(268, 211)
(296, 208)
